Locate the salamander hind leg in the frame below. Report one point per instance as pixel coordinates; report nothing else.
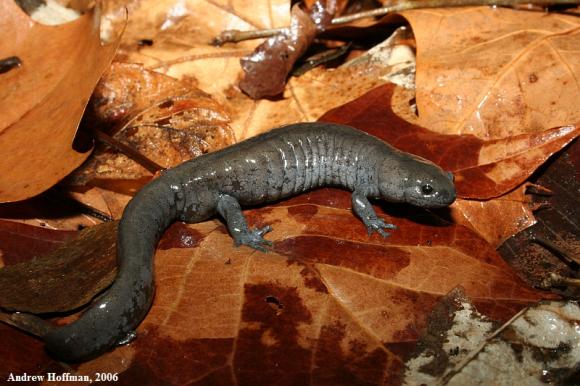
(229, 208)
(364, 210)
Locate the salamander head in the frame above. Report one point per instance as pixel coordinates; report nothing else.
(418, 182)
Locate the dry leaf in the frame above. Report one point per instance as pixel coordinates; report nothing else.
(482, 169)
(181, 49)
(166, 120)
(495, 72)
(266, 69)
(45, 96)
(496, 220)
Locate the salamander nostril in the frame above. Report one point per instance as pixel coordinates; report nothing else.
(426, 189)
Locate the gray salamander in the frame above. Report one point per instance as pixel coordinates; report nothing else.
(280, 163)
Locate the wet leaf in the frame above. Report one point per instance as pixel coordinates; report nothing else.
(497, 220)
(482, 169)
(495, 72)
(462, 346)
(48, 94)
(66, 278)
(267, 68)
(508, 162)
(326, 302)
(21, 242)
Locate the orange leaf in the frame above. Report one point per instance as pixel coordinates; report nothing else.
(496, 72)
(483, 169)
(42, 101)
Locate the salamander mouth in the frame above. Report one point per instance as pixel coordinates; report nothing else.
(435, 200)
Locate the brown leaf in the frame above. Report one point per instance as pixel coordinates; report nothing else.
(48, 94)
(167, 120)
(64, 279)
(498, 219)
(181, 49)
(495, 72)
(21, 242)
(57, 209)
(328, 304)
(558, 222)
(266, 69)
(483, 169)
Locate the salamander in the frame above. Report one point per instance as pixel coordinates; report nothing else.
(275, 165)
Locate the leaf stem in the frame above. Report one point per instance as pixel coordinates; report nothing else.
(148, 164)
(235, 36)
(555, 280)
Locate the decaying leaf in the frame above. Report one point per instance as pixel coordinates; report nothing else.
(266, 69)
(42, 100)
(558, 222)
(65, 279)
(21, 242)
(326, 303)
(167, 120)
(482, 169)
(495, 72)
(462, 346)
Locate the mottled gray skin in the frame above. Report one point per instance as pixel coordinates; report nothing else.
(278, 164)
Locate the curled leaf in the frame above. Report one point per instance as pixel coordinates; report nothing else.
(167, 120)
(266, 69)
(42, 101)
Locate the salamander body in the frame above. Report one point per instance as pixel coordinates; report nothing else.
(281, 163)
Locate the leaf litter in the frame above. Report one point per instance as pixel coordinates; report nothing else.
(304, 312)
(461, 345)
(166, 120)
(48, 99)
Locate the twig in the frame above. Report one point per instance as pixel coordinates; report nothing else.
(148, 164)
(555, 280)
(321, 58)
(234, 36)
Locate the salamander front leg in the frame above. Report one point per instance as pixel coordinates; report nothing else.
(364, 210)
(229, 208)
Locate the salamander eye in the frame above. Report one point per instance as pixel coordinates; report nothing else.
(426, 189)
